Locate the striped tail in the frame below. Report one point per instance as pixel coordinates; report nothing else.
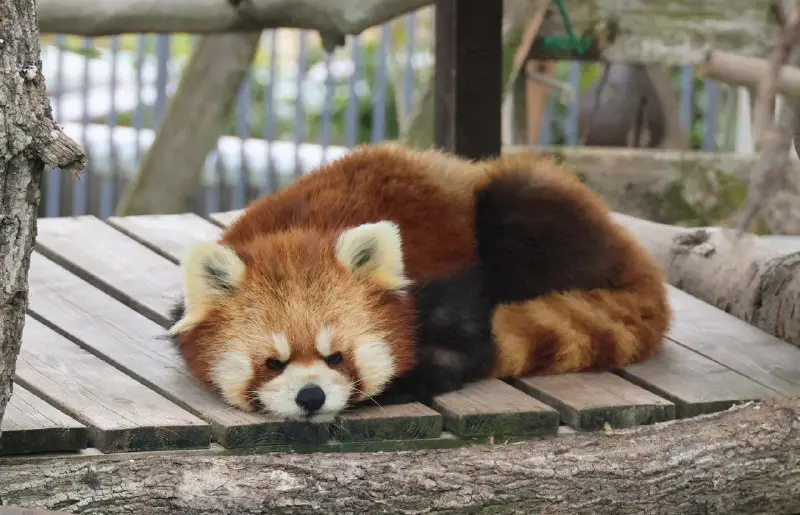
(572, 289)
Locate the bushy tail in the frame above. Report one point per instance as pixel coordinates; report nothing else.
(572, 289)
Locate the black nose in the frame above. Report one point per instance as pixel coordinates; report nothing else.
(310, 398)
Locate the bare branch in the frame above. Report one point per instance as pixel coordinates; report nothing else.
(739, 70)
(58, 150)
(768, 83)
(332, 18)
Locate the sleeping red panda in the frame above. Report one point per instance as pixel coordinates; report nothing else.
(390, 275)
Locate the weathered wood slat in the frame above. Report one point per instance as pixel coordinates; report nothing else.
(587, 401)
(128, 340)
(400, 421)
(31, 425)
(113, 262)
(169, 235)
(694, 383)
(120, 413)
(364, 423)
(494, 408)
(734, 343)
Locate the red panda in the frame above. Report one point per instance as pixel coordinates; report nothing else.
(393, 275)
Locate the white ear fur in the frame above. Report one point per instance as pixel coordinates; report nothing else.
(209, 269)
(374, 251)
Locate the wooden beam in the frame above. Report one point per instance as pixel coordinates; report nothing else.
(468, 92)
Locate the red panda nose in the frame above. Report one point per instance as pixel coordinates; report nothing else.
(310, 398)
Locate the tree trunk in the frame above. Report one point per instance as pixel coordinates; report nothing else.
(743, 460)
(28, 140)
(751, 278)
(675, 138)
(172, 167)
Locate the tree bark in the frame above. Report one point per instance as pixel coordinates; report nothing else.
(667, 33)
(743, 460)
(171, 169)
(332, 18)
(28, 140)
(750, 277)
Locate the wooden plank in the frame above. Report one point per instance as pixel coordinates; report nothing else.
(119, 335)
(391, 423)
(587, 401)
(493, 408)
(31, 425)
(694, 383)
(120, 413)
(226, 218)
(169, 235)
(734, 343)
(396, 422)
(468, 77)
(106, 258)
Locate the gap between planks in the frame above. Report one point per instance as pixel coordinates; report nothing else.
(579, 413)
(120, 413)
(173, 235)
(130, 342)
(676, 382)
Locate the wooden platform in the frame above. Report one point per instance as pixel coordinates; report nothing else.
(93, 371)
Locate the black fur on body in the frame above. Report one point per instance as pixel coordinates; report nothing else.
(532, 240)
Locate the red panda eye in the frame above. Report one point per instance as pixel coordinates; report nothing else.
(275, 364)
(334, 359)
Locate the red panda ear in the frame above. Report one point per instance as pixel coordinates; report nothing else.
(209, 269)
(374, 251)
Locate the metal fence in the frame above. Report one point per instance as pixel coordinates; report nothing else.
(297, 108)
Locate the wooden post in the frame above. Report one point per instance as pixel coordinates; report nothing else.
(468, 95)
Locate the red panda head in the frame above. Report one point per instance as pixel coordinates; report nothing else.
(300, 323)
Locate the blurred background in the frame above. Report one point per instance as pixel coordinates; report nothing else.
(299, 107)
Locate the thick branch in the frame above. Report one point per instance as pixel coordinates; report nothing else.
(667, 33)
(768, 83)
(739, 70)
(740, 461)
(750, 277)
(332, 18)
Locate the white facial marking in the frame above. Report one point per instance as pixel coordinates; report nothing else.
(323, 341)
(279, 395)
(281, 343)
(375, 365)
(232, 375)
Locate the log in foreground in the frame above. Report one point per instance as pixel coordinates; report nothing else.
(743, 460)
(752, 278)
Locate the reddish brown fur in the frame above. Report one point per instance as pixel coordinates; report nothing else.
(297, 296)
(429, 199)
